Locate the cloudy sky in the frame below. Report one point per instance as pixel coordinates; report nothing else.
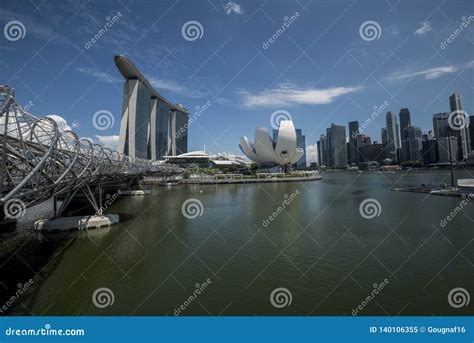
(321, 61)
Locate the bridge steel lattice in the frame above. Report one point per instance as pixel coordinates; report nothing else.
(39, 162)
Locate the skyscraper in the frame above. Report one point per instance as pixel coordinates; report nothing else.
(405, 122)
(444, 146)
(353, 154)
(318, 149)
(412, 151)
(301, 143)
(324, 149)
(464, 138)
(150, 126)
(440, 125)
(336, 135)
(471, 131)
(393, 139)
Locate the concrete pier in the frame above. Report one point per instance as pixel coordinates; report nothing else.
(76, 223)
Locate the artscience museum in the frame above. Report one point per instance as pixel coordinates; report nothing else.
(281, 151)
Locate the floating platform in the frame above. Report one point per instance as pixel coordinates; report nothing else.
(253, 180)
(136, 192)
(76, 223)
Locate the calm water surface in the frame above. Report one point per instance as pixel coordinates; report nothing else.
(320, 248)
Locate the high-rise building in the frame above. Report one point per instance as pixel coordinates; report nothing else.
(471, 131)
(318, 149)
(393, 138)
(413, 146)
(405, 122)
(372, 152)
(301, 143)
(352, 152)
(383, 134)
(440, 125)
(464, 137)
(150, 127)
(324, 150)
(337, 147)
(448, 149)
(430, 152)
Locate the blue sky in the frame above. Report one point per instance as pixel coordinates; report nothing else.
(320, 68)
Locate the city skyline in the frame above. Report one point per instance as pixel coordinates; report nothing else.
(405, 141)
(316, 70)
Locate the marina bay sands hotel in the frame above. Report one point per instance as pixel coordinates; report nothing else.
(150, 127)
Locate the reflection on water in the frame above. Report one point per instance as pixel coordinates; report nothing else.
(318, 246)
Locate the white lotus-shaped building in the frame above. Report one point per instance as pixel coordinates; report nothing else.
(265, 151)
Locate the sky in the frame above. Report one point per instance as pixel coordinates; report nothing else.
(250, 62)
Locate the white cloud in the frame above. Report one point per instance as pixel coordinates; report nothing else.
(431, 73)
(424, 28)
(311, 153)
(110, 142)
(61, 122)
(88, 138)
(100, 75)
(288, 94)
(169, 85)
(232, 7)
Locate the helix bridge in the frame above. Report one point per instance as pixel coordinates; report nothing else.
(38, 161)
